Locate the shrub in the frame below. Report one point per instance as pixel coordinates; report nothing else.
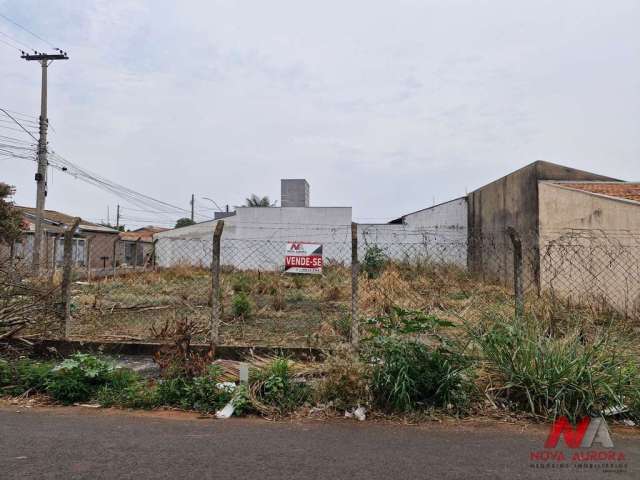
(345, 382)
(78, 377)
(241, 400)
(126, 389)
(551, 376)
(206, 393)
(203, 393)
(342, 325)
(405, 322)
(278, 390)
(408, 374)
(23, 375)
(241, 284)
(374, 261)
(171, 391)
(240, 305)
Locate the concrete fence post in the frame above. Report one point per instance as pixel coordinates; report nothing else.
(216, 307)
(518, 282)
(355, 270)
(67, 273)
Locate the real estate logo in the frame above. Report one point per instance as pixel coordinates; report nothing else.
(584, 435)
(587, 446)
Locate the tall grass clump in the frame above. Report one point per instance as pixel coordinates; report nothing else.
(276, 390)
(530, 369)
(411, 372)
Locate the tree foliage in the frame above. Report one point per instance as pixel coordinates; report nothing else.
(184, 222)
(256, 201)
(10, 218)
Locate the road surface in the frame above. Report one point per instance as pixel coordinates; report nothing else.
(78, 443)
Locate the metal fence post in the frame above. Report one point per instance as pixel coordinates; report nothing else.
(66, 275)
(216, 307)
(355, 269)
(518, 286)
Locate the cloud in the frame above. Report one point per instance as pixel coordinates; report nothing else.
(381, 106)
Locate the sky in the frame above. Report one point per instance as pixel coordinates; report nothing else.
(388, 107)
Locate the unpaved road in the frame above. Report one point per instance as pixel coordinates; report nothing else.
(70, 443)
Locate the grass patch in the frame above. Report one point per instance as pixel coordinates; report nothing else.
(551, 375)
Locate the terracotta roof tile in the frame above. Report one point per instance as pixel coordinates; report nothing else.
(626, 190)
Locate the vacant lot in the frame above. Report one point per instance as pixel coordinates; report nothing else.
(270, 308)
(275, 309)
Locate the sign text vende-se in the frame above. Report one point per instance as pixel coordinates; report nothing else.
(303, 257)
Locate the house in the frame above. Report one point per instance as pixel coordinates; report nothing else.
(579, 232)
(54, 223)
(255, 237)
(136, 246)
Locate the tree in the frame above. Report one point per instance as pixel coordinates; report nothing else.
(10, 218)
(256, 201)
(184, 222)
(120, 228)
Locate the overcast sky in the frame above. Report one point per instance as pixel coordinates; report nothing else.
(383, 106)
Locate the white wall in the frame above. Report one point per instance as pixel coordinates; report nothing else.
(256, 237)
(438, 233)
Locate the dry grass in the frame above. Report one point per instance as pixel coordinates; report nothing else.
(294, 310)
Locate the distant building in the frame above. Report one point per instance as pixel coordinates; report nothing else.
(54, 224)
(136, 246)
(254, 237)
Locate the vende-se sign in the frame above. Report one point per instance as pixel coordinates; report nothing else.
(303, 257)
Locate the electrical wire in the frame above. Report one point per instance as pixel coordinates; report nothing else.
(17, 41)
(28, 31)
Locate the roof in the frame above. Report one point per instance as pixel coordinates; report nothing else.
(144, 234)
(400, 220)
(58, 218)
(625, 190)
(544, 170)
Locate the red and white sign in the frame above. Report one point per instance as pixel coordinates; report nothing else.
(303, 257)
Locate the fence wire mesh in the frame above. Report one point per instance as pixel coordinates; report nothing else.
(131, 289)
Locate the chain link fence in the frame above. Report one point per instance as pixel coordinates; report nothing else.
(132, 290)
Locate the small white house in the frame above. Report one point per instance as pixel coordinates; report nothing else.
(256, 237)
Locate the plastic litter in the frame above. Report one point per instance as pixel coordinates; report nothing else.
(360, 414)
(629, 423)
(226, 412)
(226, 386)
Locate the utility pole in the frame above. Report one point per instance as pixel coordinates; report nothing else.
(193, 203)
(118, 217)
(41, 174)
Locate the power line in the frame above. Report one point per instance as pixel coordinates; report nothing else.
(16, 41)
(28, 31)
(10, 45)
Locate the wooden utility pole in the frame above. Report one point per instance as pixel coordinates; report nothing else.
(355, 270)
(193, 203)
(118, 217)
(41, 174)
(216, 307)
(518, 283)
(67, 272)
